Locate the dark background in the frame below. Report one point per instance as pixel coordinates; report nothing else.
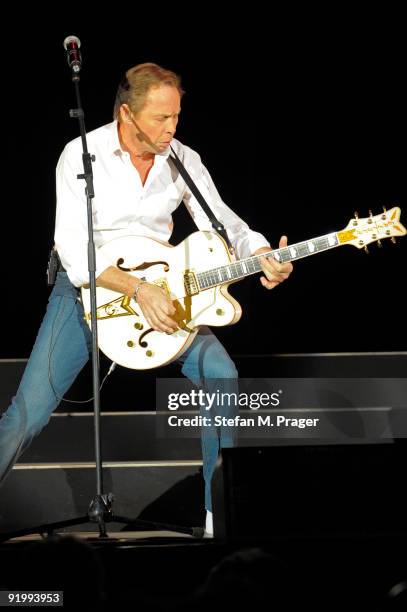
(298, 117)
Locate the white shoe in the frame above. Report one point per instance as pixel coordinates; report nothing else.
(208, 525)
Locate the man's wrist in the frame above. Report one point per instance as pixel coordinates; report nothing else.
(139, 285)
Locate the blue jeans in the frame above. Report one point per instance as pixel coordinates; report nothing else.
(61, 350)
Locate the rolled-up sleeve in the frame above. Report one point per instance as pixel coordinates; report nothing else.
(71, 225)
(244, 240)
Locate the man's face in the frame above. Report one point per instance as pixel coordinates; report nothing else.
(154, 126)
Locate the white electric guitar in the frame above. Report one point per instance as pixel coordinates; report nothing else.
(196, 274)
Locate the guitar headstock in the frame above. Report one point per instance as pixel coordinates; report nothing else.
(361, 232)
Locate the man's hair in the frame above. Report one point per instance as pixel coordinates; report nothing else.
(137, 83)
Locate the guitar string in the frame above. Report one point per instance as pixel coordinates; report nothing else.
(321, 243)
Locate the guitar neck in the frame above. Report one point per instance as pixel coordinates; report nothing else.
(251, 265)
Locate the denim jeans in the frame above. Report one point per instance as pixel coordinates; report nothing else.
(61, 350)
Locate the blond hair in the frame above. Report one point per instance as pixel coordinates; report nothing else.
(138, 81)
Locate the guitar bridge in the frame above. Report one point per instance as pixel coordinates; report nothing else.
(190, 283)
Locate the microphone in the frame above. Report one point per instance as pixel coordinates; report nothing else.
(71, 45)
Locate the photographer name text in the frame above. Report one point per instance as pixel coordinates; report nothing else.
(257, 421)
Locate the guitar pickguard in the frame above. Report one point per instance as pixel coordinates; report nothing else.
(120, 307)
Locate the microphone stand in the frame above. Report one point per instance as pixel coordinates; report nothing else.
(100, 509)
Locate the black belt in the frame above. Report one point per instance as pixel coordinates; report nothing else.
(54, 266)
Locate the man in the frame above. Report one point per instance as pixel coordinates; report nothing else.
(135, 193)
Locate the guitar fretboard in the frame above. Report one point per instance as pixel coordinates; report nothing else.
(251, 265)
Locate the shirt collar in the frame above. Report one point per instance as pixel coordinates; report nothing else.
(114, 144)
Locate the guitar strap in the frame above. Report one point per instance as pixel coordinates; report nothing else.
(217, 225)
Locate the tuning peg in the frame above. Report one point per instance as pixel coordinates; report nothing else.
(356, 217)
(393, 240)
(370, 220)
(379, 244)
(384, 212)
(366, 250)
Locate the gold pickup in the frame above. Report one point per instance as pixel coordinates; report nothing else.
(190, 283)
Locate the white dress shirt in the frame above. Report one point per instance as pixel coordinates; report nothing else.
(123, 206)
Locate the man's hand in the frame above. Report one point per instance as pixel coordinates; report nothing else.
(153, 300)
(157, 308)
(275, 272)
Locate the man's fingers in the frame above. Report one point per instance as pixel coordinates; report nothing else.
(274, 271)
(273, 264)
(274, 268)
(170, 309)
(167, 322)
(269, 284)
(160, 325)
(283, 242)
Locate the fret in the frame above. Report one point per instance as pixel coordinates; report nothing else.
(240, 269)
(214, 277)
(285, 255)
(303, 249)
(321, 244)
(224, 273)
(252, 264)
